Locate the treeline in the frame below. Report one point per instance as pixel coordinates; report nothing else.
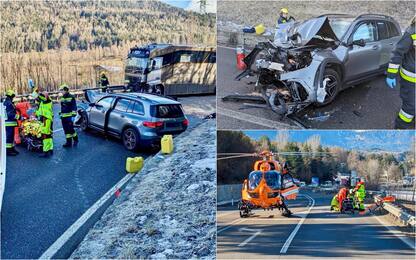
(65, 41)
(84, 25)
(317, 160)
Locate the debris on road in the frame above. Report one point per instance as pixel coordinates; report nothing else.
(168, 211)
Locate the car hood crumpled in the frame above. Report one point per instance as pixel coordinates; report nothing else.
(314, 32)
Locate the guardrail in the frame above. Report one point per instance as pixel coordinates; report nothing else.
(2, 153)
(228, 194)
(397, 212)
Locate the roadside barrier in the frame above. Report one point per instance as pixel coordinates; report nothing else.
(228, 194)
(397, 212)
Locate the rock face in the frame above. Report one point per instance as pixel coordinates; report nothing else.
(167, 210)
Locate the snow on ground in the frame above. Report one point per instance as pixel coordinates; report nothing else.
(167, 210)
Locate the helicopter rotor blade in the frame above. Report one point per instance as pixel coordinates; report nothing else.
(235, 156)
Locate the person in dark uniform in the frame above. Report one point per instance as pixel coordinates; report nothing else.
(67, 115)
(402, 66)
(104, 83)
(11, 122)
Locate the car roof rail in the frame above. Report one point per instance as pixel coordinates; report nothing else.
(374, 16)
(334, 14)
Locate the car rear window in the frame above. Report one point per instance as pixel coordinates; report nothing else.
(383, 33)
(393, 30)
(166, 111)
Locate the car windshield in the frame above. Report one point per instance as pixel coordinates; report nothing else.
(273, 179)
(254, 179)
(136, 62)
(340, 26)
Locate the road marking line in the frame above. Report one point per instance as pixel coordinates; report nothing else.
(258, 232)
(60, 242)
(293, 234)
(253, 119)
(230, 225)
(397, 233)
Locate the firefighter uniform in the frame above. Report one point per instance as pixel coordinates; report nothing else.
(284, 16)
(360, 195)
(45, 114)
(104, 82)
(336, 203)
(11, 122)
(402, 65)
(67, 114)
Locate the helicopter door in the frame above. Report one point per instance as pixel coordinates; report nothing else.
(289, 189)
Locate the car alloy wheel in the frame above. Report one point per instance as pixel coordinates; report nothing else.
(130, 139)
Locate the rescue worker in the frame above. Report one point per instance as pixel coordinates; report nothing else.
(45, 115)
(336, 203)
(359, 191)
(402, 63)
(104, 83)
(67, 115)
(284, 16)
(11, 122)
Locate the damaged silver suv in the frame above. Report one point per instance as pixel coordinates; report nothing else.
(310, 62)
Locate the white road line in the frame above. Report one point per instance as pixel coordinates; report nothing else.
(293, 234)
(253, 119)
(61, 241)
(258, 232)
(397, 233)
(230, 225)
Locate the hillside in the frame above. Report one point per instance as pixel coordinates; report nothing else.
(46, 25)
(63, 41)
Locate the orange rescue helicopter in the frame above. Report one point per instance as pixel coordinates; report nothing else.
(268, 186)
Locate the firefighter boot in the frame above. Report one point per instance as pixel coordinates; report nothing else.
(68, 142)
(75, 140)
(12, 152)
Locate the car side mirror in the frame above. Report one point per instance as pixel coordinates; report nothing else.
(359, 42)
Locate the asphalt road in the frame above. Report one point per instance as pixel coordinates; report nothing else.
(312, 232)
(369, 105)
(43, 197)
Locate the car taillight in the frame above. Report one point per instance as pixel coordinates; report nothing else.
(185, 122)
(152, 124)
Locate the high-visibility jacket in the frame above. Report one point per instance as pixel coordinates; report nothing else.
(45, 107)
(68, 106)
(402, 60)
(360, 189)
(45, 113)
(285, 20)
(11, 114)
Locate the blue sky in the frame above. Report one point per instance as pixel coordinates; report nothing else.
(394, 141)
(177, 3)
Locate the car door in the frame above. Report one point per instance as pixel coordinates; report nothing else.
(99, 111)
(386, 43)
(362, 60)
(118, 116)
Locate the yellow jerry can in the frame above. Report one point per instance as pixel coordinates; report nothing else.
(134, 165)
(260, 29)
(167, 144)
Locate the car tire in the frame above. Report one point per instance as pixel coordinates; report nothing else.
(332, 88)
(83, 123)
(131, 139)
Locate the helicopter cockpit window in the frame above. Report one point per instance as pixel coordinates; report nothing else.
(254, 179)
(273, 179)
(287, 181)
